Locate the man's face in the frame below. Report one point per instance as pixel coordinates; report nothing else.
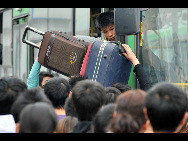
(45, 79)
(109, 32)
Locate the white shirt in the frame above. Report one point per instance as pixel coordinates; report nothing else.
(7, 124)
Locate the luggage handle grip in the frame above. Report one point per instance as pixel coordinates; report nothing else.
(34, 30)
(121, 49)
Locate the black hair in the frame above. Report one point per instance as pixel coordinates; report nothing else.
(25, 98)
(103, 118)
(88, 96)
(69, 108)
(73, 80)
(112, 94)
(121, 86)
(104, 19)
(66, 124)
(43, 74)
(10, 88)
(166, 105)
(57, 90)
(39, 117)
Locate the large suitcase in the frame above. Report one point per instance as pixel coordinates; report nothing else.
(59, 51)
(104, 63)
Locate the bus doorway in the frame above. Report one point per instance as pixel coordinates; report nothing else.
(20, 50)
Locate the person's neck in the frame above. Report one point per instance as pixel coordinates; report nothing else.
(60, 111)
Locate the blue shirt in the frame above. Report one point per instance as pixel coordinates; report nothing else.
(59, 117)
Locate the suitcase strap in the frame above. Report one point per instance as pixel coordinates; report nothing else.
(98, 61)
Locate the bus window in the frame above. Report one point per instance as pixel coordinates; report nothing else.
(165, 50)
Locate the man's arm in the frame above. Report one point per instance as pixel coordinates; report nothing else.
(138, 70)
(33, 79)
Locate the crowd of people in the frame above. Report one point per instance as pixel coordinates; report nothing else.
(80, 105)
(48, 104)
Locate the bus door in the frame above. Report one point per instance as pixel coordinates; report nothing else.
(20, 50)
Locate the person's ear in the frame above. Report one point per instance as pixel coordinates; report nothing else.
(17, 127)
(70, 94)
(145, 113)
(115, 115)
(186, 127)
(145, 125)
(183, 119)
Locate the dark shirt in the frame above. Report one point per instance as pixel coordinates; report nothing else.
(142, 77)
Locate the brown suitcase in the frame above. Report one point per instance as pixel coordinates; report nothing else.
(59, 51)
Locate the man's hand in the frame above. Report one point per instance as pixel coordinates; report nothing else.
(130, 55)
(39, 47)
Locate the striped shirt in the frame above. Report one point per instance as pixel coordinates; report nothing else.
(33, 79)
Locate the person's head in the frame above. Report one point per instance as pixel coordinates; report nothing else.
(103, 118)
(38, 117)
(66, 124)
(132, 102)
(57, 90)
(88, 97)
(165, 107)
(10, 88)
(74, 79)
(111, 94)
(123, 123)
(105, 23)
(69, 108)
(121, 86)
(25, 98)
(44, 77)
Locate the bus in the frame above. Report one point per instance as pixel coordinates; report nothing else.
(160, 45)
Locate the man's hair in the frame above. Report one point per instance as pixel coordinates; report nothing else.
(166, 105)
(10, 88)
(103, 118)
(57, 90)
(112, 94)
(88, 96)
(43, 74)
(39, 117)
(73, 80)
(104, 19)
(69, 108)
(66, 124)
(25, 98)
(121, 86)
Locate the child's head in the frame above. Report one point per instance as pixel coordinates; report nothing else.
(105, 23)
(38, 117)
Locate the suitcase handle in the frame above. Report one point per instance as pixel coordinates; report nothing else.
(34, 30)
(121, 49)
